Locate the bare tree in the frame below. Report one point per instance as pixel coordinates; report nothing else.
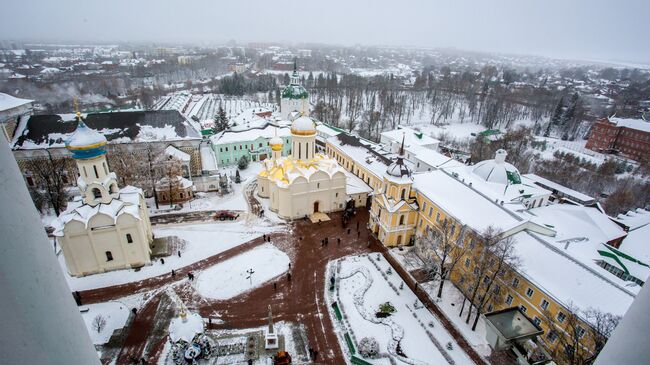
(503, 263)
(446, 250)
(99, 323)
(580, 335)
(51, 176)
(491, 255)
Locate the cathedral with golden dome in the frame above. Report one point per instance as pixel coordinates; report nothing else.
(305, 182)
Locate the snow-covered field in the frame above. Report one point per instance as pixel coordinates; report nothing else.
(364, 283)
(114, 313)
(203, 240)
(231, 278)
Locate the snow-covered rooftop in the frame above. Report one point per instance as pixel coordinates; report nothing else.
(638, 124)
(173, 151)
(464, 203)
(634, 218)
(557, 187)
(128, 202)
(268, 131)
(9, 102)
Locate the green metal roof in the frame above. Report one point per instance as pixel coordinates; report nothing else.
(294, 91)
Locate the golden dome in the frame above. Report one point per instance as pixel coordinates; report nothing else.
(303, 126)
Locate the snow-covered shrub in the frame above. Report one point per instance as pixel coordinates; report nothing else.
(369, 347)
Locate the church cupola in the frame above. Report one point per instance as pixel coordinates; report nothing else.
(295, 97)
(399, 168)
(85, 142)
(96, 183)
(276, 143)
(303, 135)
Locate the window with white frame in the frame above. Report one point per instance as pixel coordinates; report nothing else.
(561, 317)
(529, 292)
(544, 304)
(509, 299)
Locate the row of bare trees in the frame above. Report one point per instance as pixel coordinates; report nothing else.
(483, 266)
(140, 165)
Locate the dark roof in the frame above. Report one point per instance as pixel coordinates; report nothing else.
(50, 130)
(348, 139)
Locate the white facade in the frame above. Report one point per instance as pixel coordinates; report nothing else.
(305, 182)
(107, 228)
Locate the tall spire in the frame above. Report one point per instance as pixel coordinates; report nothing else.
(295, 65)
(271, 329)
(401, 148)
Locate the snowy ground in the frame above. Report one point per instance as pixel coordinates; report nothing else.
(421, 336)
(231, 278)
(576, 148)
(202, 240)
(115, 314)
(234, 200)
(450, 303)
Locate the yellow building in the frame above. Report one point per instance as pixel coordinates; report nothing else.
(560, 245)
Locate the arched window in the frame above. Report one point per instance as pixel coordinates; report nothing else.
(307, 150)
(114, 188)
(403, 193)
(95, 169)
(299, 151)
(129, 239)
(97, 193)
(401, 220)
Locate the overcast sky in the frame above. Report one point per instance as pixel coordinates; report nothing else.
(616, 30)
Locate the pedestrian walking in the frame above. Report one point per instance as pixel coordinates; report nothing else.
(338, 241)
(289, 266)
(134, 311)
(327, 240)
(264, 237)
(162, 261)
(368, 243)
(288, 276)
(275, 286)
(179, 253)
(173, 273)
(358, 234)
(357, 225)
(315, 355)
(311, 353)
(348, 230)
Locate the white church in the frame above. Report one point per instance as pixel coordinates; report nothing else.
(107, 228)
(294, 101)
(304, 182)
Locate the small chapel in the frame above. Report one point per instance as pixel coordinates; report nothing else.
(106, 228)
(305, 182)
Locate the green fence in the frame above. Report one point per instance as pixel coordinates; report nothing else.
(348, 340)
(337, 311)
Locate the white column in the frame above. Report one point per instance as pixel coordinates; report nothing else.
(41, 323)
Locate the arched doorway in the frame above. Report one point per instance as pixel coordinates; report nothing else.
(316, 207)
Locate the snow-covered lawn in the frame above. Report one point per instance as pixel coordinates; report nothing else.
(114, 313)
(202, 240)
(450, 303)
(231, 278)
(363, 285)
